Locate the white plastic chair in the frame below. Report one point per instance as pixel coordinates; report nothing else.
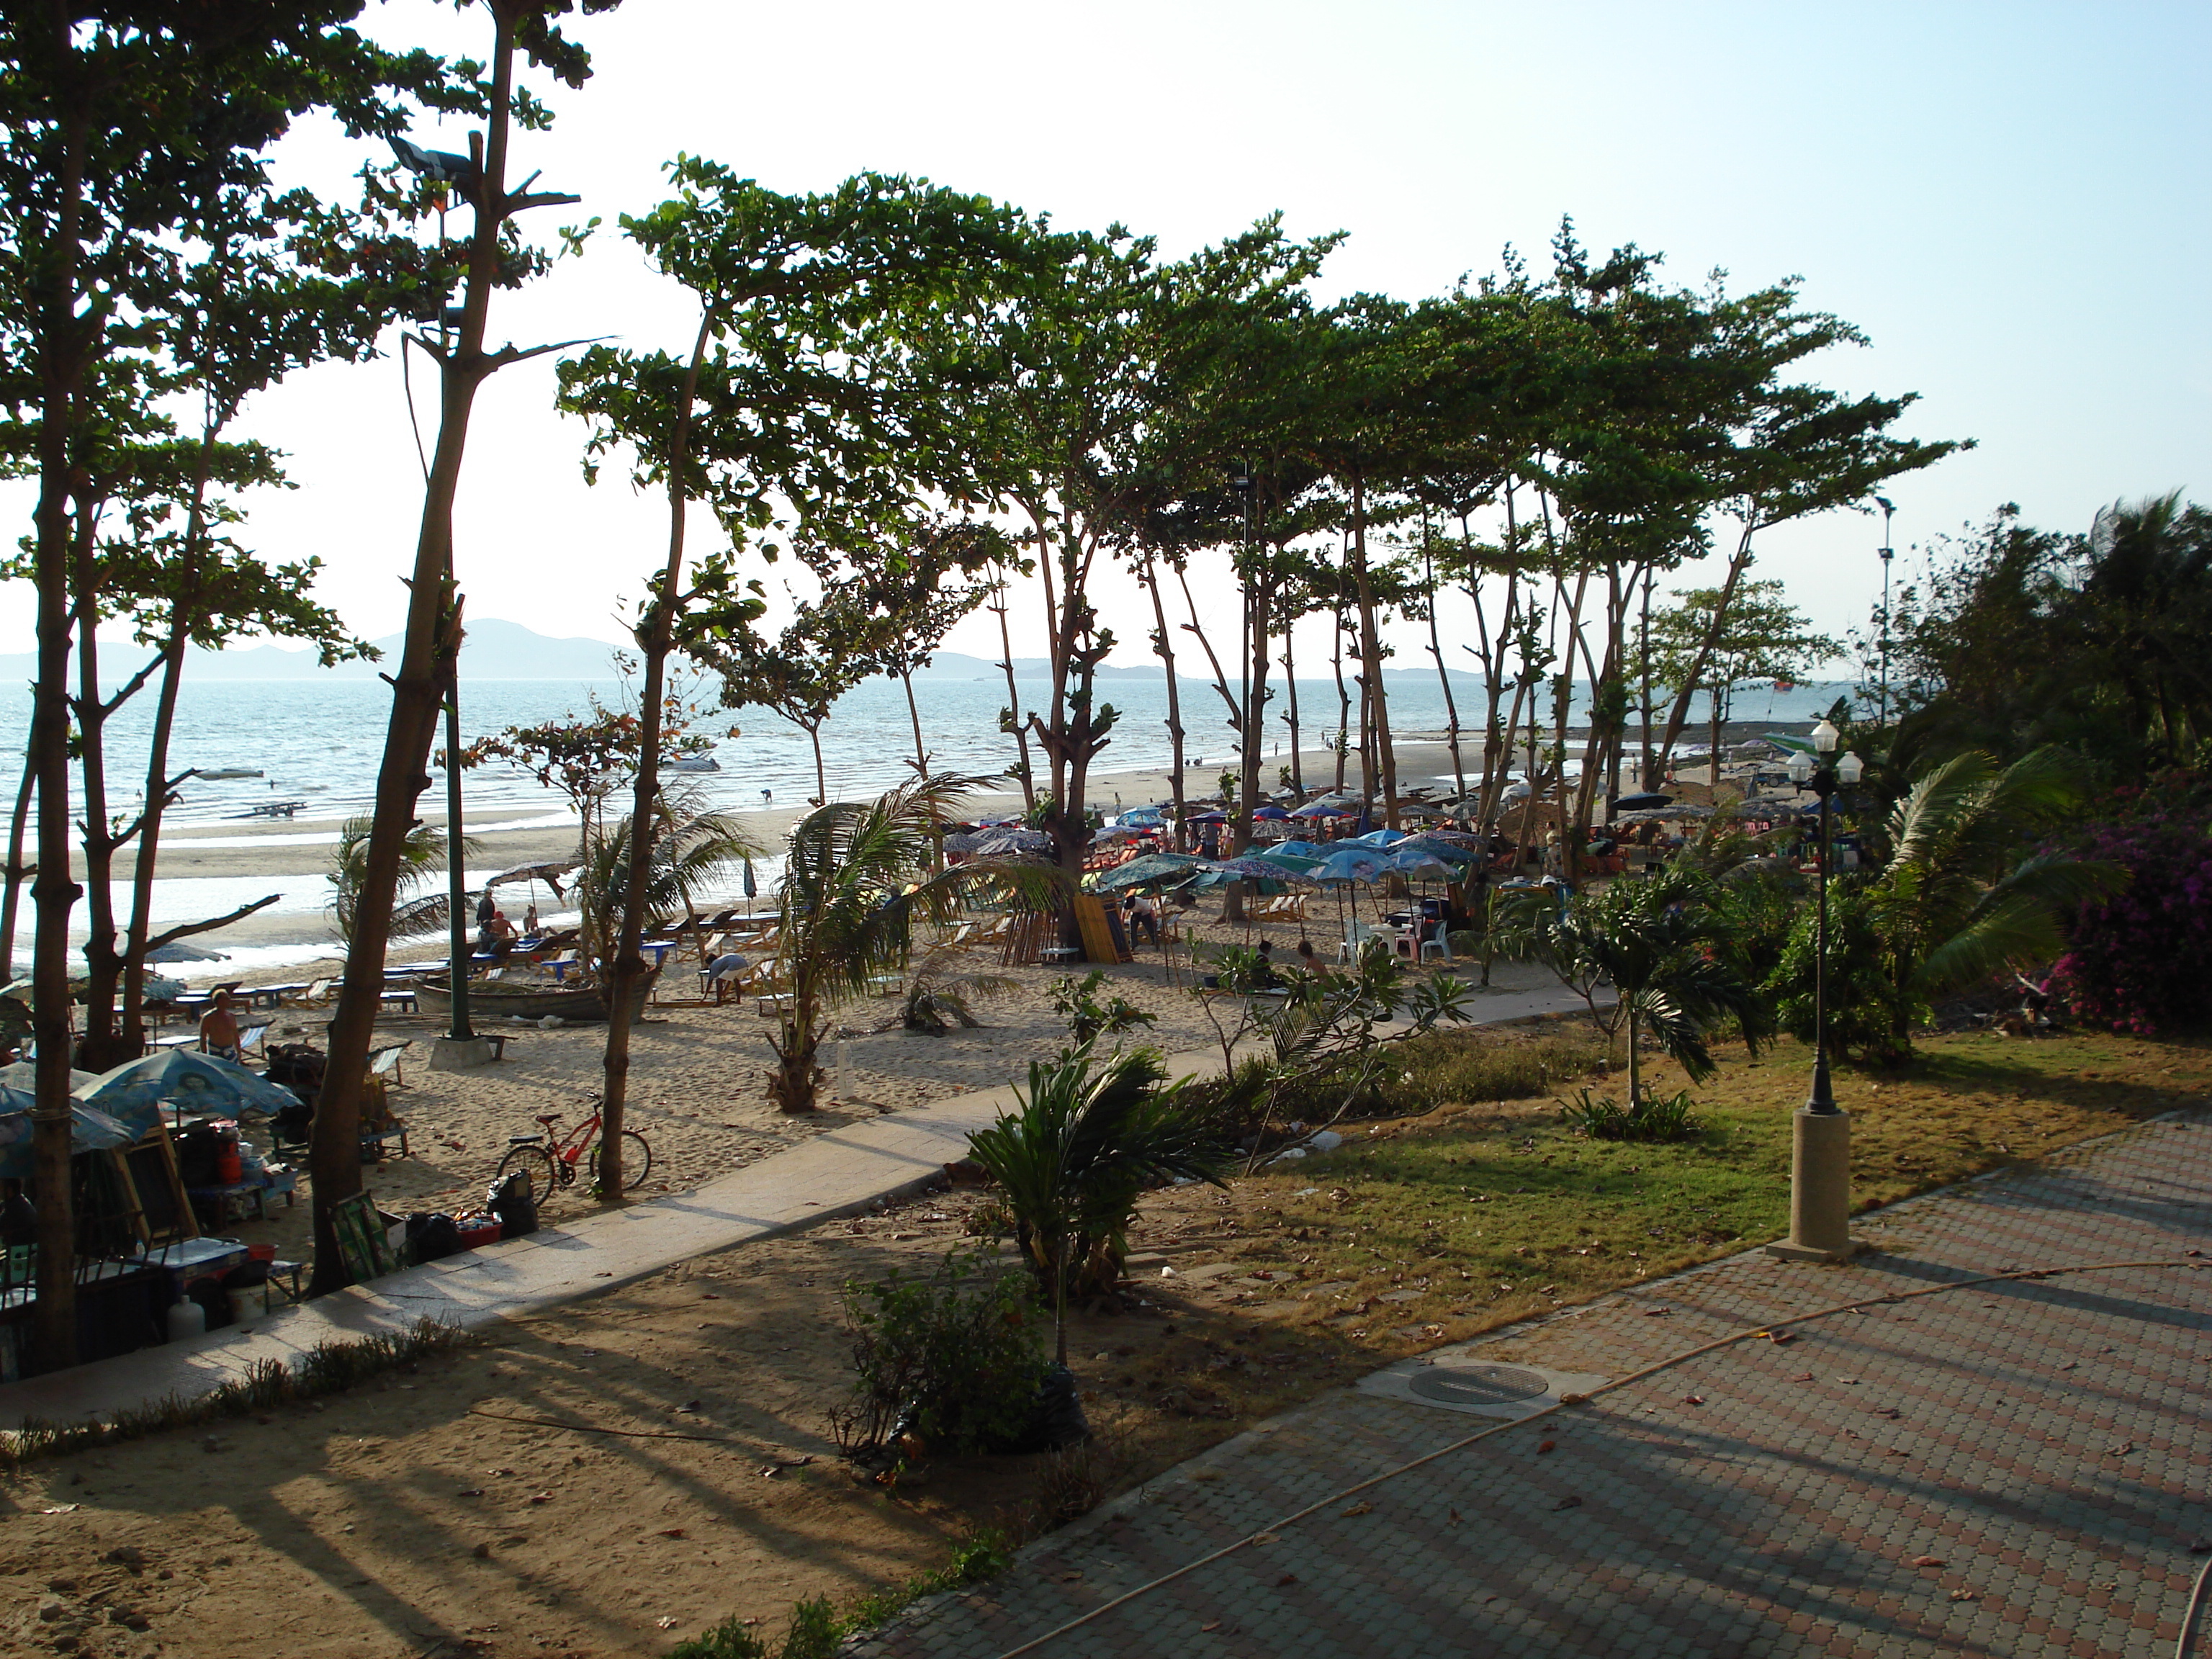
(1356, 935)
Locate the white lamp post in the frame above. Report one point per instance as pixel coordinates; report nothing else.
(1821, 1137)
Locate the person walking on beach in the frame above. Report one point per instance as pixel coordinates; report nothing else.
(1144, 920)
(219, 1032)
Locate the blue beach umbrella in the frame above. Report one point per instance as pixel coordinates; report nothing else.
(91, 1130)
(135, 1092)
(1378, 838)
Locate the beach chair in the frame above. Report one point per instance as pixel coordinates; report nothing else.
(384, 1063)
(1356, 935)
(318, 993)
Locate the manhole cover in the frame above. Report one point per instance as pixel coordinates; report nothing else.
(1476, 1385)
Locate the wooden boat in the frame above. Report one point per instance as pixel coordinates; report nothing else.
(496, 1000)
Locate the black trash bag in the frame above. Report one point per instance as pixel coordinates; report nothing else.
(1056, 1421)
(432, 1235)
(510, 1199)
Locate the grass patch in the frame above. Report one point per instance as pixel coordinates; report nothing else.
(1477, 1214)
(818, 1626)
(1468, 1068)
(328, 1368)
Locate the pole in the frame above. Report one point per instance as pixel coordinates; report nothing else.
(1887, 554)
(457, 878)
(1822, 1100)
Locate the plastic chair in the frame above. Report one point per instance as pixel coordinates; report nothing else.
(1356, 935)
(1438, 946)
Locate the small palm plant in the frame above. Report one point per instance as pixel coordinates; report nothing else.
(856, 877)
(1662, 948)
(1957, 901)
(941, 991)
(1085, 1141)
(415, 914)
(694, 852)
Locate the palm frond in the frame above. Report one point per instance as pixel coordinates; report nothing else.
(2008, 933)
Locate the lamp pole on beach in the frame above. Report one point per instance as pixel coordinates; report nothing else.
(1888, 554)
(1820, 1135)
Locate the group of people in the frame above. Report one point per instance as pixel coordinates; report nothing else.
(496, 935)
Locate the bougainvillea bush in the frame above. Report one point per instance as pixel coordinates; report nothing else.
(2141, 961)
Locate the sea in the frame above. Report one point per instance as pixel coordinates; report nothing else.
(318, 742)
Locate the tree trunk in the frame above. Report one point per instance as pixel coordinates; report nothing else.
(1288, 660)
(1343, 703)
(1444, 679)
(103, 964)
(914, 714)
(18, 830)
(1371, 654)
(64, 345)
(1164, 647)
(158, 790)
(1013, 721)
(656, 639)
(432, 642)
(1678, 716)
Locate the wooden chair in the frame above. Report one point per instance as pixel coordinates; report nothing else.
(384, 1063)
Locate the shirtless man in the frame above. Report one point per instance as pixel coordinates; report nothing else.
(219, 1032)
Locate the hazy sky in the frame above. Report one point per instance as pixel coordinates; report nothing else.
(2010, 199)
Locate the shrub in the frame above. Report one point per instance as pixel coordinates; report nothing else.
(727, 1640)
(955, 1357)
(1463, 1067)
(2140, 960)
(1077, 1003)
(1602, 1117)
(1867, 1009)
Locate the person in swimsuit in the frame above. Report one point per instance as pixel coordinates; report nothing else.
(219, 1032)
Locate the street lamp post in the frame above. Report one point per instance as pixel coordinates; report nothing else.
(1820, 1135)
(1887, 554)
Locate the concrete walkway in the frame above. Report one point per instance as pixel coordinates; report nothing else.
(2014, 1468)
(831, 1175)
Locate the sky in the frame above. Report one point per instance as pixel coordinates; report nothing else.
(2010, 199)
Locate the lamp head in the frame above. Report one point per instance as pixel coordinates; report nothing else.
(1826, 737)
(1801, 766)
(1850, 769)
(1882, 501)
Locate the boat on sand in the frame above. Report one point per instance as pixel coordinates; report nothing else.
(490, 999)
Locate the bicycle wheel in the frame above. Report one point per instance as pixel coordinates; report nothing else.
(536, 1163)
(637, 1161)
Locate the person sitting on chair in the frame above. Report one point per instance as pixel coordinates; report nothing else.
(219, 1032)
(1263, 971)
(498, 937)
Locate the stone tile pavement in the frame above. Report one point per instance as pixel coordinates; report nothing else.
(2014, 1469)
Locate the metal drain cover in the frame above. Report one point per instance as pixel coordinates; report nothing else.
(1476, 1385)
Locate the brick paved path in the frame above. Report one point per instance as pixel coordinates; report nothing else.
(2016, 1469)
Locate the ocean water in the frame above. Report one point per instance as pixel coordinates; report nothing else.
(318, 742)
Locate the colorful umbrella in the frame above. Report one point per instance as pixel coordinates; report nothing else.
(91, 1130)
(1253, 867)
(1151, 868)
(1378, 838)
(135, 1092)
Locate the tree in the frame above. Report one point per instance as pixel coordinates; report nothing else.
(1085, 1140)
(424, 857)
(856, 877)
(109, 187)
(495, 257)
(1659, 946)
(1759, 636)
(776, 408)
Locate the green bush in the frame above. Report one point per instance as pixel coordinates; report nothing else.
(1602, 1117)
(727, 1640)
(1864, 1001)
(958, 1356)
(1449, 1068)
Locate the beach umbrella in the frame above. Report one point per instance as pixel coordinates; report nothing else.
(1327, 807)
(1426, 866)
(1378, 838)
(1349, 863)
(1305, 849)
(550, 874)
(1153, 867)
(1144, 817)
(1297, 863)
(91, 1130)
(178, 950)
(1451, 851)
(753, 881)
(1254, 867)
(24, 1073)
(1645, 803)
(1273, 814)
(998, 842)
(135, 1092)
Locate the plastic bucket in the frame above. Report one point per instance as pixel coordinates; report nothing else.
(250, 1302)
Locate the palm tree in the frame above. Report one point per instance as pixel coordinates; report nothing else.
(1084, 1141)
(693, 852)
(856, 876)
(421, 856)
(1956, 901)
(1663, 946)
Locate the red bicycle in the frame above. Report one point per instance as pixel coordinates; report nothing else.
(548, 1158)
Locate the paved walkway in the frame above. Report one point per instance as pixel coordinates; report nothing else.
(835, 1174)
(2014, 1469)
